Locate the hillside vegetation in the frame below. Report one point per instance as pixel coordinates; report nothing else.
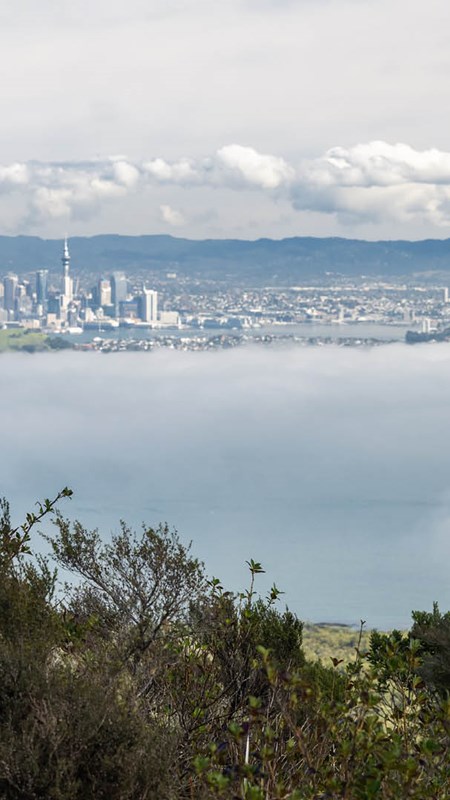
(278, 262)
(29, 341)
(326, 641)
(22, 339)
(143, 679)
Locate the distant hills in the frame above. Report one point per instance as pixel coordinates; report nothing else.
(267, 261)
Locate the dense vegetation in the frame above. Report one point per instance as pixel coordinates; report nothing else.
(30, 341)
(277, 262)
(140, 678)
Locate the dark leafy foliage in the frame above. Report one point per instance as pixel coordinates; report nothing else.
(143, 680)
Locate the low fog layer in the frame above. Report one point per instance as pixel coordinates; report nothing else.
(331, 466)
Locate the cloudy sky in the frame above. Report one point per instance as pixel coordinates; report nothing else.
(242, 118)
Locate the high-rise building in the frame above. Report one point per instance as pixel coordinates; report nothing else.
(42, 288)
(23, 303)
(119, 290)
(148, 306)
(10, 283)
(104, 292)
(72, 316)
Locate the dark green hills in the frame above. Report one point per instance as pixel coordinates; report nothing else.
(267, 261)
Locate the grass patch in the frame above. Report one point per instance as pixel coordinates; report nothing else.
(22, 339)
(324, 642)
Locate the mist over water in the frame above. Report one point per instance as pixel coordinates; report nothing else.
(329, 465)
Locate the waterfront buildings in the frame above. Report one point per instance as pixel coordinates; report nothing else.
(148, 306)
(52, 300)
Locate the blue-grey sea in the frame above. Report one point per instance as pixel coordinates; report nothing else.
(329, 465)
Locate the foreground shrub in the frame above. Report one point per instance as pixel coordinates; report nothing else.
(143, 680)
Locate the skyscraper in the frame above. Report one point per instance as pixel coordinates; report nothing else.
(104, 292)
(10, 283)
(41, 288)
(148, 306)
(119, 290)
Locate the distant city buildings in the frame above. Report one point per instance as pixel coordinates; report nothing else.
(104, 292)
(10, 284)
(109, 303)
(148, 306)
(52, 300)
(119, 291)
(41, 291)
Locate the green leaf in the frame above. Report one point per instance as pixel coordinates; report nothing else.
(255, 567)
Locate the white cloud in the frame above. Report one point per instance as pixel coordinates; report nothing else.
(54, 203)
(376, 181)
(180, 172)
(379, 164)
(171, 216)
(76, 190)
(125, 174)
(253, 168)
(232, 165)
(80, 189)
(173, 75)
(14, 175)
(370, 182)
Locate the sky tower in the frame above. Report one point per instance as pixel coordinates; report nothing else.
(67, 293)
(66, 259)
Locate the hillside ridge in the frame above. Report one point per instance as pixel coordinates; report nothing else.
(281, 261)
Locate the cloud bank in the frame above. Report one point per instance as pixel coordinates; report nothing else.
(329, 465)
(369, 182)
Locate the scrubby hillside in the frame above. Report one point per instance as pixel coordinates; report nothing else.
(143, 679)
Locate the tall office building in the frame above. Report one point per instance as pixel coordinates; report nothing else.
(42, 288)
(10, 283)
(119, 290)
(23, 306)
(148, 306)
(104, 292)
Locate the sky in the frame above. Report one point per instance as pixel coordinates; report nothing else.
(243, 118)
(329, 465)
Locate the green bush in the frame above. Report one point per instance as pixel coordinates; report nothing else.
(142, 680)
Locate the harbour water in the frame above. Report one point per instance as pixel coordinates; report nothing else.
(360, 330)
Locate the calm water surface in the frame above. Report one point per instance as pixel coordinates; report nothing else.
(306, 330)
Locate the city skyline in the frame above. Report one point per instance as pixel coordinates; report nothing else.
(43, 301)
(241, 120)
(36, 303)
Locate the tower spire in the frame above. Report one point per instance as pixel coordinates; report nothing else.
(66, 258)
